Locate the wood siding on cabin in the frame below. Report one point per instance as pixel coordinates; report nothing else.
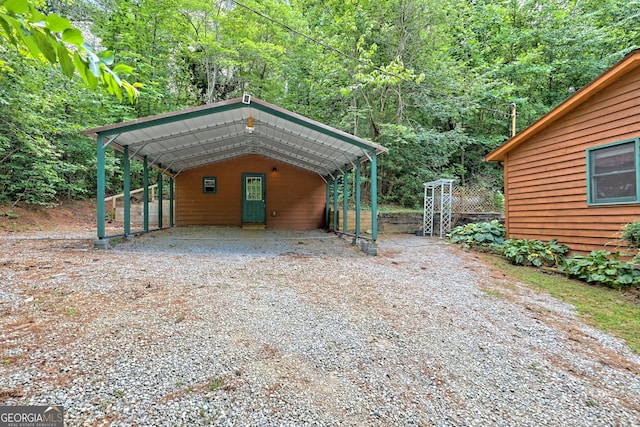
(546, 178)
(296, 196)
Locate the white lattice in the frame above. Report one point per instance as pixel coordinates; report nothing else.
(437, 198)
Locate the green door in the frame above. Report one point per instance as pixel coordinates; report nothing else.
(253, 201)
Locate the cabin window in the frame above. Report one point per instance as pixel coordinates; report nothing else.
(209, 184)
(613, 173)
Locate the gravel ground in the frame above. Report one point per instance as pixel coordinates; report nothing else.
(221, 326)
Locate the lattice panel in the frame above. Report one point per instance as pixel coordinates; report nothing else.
(429, 208)
(474, 200)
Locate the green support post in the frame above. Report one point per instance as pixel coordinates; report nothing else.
(327, 205)
(100, 188)
(126, 163)
(171, 202)
(345, 201)
(145, 193)
(335, 203)
(159, 198)
(374, 196)
(357, 197)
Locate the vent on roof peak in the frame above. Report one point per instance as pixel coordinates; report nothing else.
(246, 99)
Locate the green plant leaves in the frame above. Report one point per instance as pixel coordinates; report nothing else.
(602, 267)
(599, 267)
(482, 234)
(533, 252)
(73, 36)
(18, 7)
(56, 23)
(45, 36)
(631, 234)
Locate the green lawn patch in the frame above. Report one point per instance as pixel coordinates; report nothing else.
(610, 310)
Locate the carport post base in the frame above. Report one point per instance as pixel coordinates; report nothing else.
(372, 250)
(368, 247)
(101, 244)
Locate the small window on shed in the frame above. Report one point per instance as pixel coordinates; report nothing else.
(209, 184)
(613, 173)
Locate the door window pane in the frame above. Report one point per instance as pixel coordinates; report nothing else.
(253, 187)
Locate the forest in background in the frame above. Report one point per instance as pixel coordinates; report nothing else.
(431, 80)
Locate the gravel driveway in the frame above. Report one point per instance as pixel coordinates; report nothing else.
(219, 326)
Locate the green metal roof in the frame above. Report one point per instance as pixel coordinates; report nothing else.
(198, 136)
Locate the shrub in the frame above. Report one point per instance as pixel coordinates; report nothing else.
(603, 268)
(631, 234)
(533, 252)
(481, 234)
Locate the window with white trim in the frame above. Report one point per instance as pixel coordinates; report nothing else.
(612, 173)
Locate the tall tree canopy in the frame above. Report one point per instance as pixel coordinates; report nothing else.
(432, 80)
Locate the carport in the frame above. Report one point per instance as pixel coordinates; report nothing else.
(177, 143)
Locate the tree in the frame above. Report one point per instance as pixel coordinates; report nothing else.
(47, 36)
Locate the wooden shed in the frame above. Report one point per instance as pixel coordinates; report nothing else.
(240, 162)
(574, 174)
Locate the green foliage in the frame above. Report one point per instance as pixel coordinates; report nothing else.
(602, 267)
(47, 36)
(42, 155)
(432, 81)
(478, 235)
(631, 234)
(533, 252)
(414, 157)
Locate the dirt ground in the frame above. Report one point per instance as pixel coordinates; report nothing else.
(71, 216)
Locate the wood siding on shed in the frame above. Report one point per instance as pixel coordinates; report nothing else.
(296, 196)
(546, 178)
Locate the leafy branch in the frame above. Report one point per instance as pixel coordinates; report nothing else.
(47, 36)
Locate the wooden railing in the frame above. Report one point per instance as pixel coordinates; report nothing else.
(114, 199)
